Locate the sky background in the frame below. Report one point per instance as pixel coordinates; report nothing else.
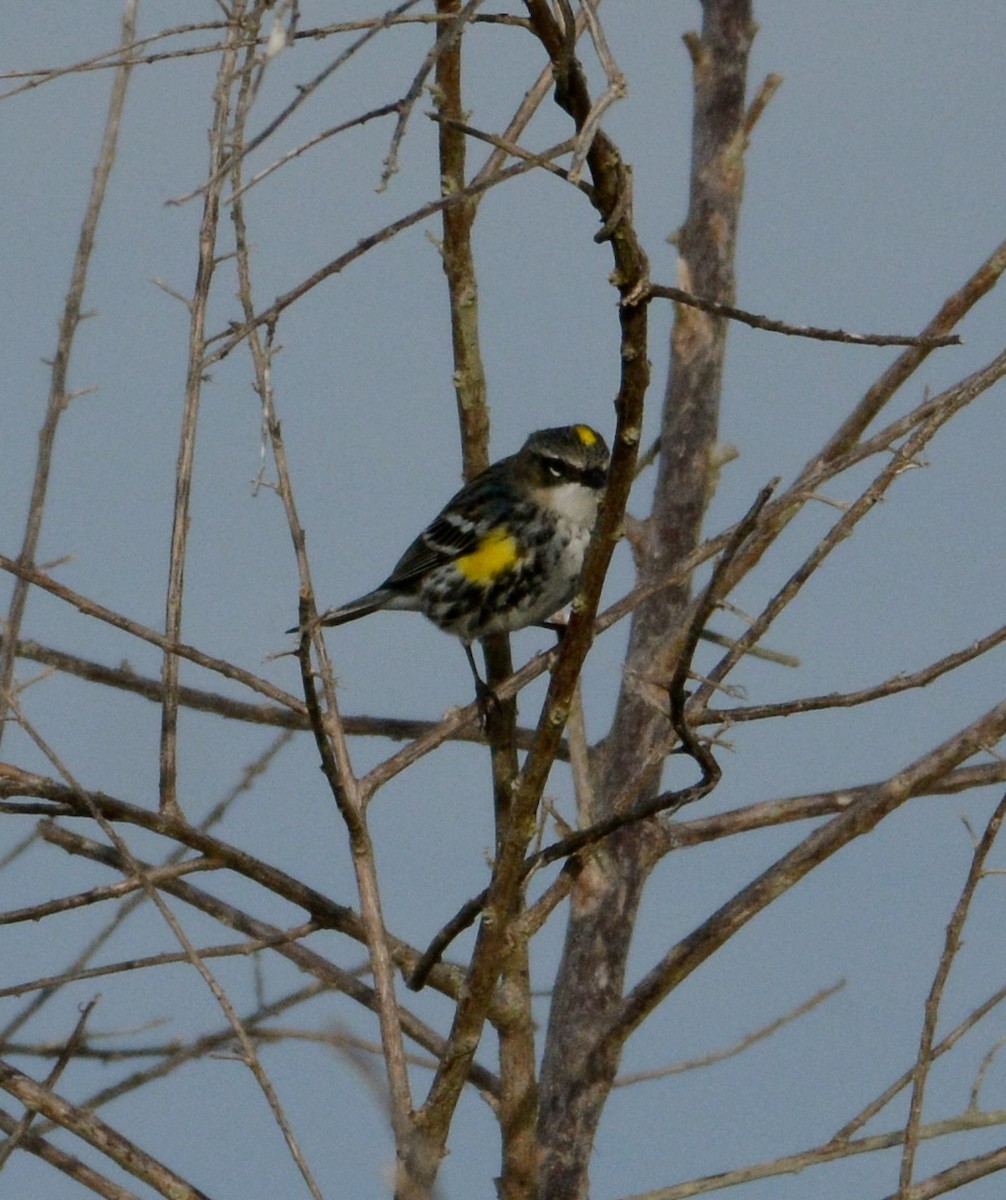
(875, 186)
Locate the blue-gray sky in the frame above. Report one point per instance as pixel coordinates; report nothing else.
(875, 185)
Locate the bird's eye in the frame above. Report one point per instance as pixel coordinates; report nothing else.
(555, 468)
(554, 471)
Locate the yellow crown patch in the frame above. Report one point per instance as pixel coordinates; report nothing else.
(586, 434)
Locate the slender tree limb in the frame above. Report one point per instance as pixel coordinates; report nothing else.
(59, 398)
(91, 1129)
(953, 1178)
(326, 912)
(304, 958)
(140, 871)
(902, 459)
(517, 1110)
(832, 1151)
(924, 1058)
(396, 729)
(230, 950)
(951, 312)
(91, 608)
(71, 1167)
(98, 895)
(891, 686)
(198, 306)
(335, 764)
(756, 321)
(609, 178)
(226, 165)
(453, 20)
(631, 1078)
(820, 845)
(69, 1050)
(577, 1068)
(235, 334)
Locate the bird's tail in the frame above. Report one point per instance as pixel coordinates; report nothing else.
(360, 607)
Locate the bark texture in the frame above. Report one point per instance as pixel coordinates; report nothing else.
(581, 1057)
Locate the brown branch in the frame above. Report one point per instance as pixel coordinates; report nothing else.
(878, 691)
(827, 466)
(72, 1167)
(904, 457)
(951, 313)
(610, 183)
(518, 1104)
(248, 775)
(98, 895)
(228, 164)
(235, 334)
(952, 943)
(91, 1129)
(198, 305)
(123, 54)
(230, 950)
(383, 110)
(767, 813)
(453, 20)
(508, 149)
(832, 1151)
(395, 729)
(138, 870)
(91, 608)
(199, 1048)
(59, 399)
(946, 1044)
(955, 1177)
(530, 104)
(15, 782)
(820, 845)
(302, 957)
(756, 321)
(630, 1079)
(335, 764)
(69, 1049)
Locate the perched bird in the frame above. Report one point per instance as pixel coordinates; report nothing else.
(507, 550)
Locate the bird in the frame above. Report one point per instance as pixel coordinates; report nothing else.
(506, 551)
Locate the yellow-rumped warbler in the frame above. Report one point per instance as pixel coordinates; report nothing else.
(507, 550)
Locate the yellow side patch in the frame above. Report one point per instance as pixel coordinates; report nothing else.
(496, 552)
(586, 434)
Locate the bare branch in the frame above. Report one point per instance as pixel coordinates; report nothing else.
(93, 1130)
(631, 1078)
(756, 321)
(951, 946)
(58, 399)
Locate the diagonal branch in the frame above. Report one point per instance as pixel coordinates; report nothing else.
(58, 400)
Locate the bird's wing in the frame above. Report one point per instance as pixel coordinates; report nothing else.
(448, 537)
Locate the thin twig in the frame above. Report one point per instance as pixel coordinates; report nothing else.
(91, 608)
(447, 35)
(102, 1137)
(227, 164)
(631, 1078)
(195, 375)
(141, 872)
(71, 1166)
(70, 1048)
(891, 686)
(757, 321)
(832, 1151)
(235, 334)
(951, 945)
(58, 400)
